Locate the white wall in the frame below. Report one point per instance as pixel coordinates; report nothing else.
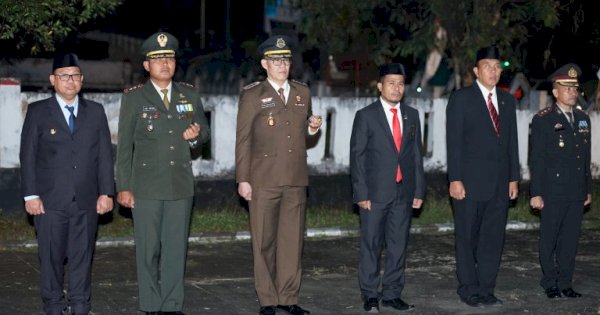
(223, 120)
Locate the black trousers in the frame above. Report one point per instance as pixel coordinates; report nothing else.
(560, 227)
(479, 228)
(385, 224)
(66, 236)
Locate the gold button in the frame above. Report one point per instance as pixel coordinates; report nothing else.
(170, 131)
(169, 116)
(289, 136)
(172, 163)
(172, 148)
(287, 122)
(290, 150)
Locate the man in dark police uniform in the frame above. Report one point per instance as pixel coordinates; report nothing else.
(158, 124)
(561, 180)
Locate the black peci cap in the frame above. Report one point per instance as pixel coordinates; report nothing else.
(392, 68)
(490, 52)
(64, 60)
(276, 46)
(160, 45)
(567, 75)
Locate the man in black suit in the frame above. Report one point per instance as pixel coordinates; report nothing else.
(483, 170)
(67, 181)
(388, 181)
(561, 180)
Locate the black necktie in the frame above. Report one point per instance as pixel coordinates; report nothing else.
(570, 116)
(71, 117)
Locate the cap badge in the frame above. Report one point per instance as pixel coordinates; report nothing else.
(280, 43)
(162, 40)
(572, 73)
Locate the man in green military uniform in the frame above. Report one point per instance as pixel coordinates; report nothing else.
(158, 124)
(561, 180)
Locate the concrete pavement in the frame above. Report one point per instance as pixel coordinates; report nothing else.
(219, 276)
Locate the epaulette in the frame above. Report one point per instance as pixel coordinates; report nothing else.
(544, 111)
(186, 84)
(251, 85)
(301, 83)
(127, 90)
(579, 110)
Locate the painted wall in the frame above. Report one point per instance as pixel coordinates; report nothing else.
(329, 155)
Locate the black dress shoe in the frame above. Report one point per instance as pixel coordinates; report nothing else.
(371, 305)
(293, 309)
(473, 300)
(153, 313)
(491, 300)
(172, 313)
(267, 310)
(553, 293)
(571, 293)
(398, 304)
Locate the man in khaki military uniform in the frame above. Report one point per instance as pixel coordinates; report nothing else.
(274, 119)
(158, 124)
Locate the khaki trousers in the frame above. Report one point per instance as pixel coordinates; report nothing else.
(277, 217)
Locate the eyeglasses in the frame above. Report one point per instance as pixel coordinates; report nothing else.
(280, 61)
(65, 77)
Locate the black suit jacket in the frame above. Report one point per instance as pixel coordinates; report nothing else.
(374, 158)
(560, 156)
(59, 166)
(482, 160)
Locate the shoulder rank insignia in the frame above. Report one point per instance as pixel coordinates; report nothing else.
(127, 90)
(186, 84)
(251, 85)
(544, 111)
(580, 111)
(301, 83)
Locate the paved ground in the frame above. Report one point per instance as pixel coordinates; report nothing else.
(219, 278)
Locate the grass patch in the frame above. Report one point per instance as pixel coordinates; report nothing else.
(232, 218)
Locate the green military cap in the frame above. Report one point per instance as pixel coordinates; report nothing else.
(567, 75)
(276, 46)
(160, 45)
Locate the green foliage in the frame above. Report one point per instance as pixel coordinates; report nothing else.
(391, 28)
(35, 26)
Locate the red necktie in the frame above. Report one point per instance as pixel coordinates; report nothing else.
(397, 133)
(493, 114)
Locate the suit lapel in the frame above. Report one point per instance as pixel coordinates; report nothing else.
(82, 115)
(55, 114)
(153, 97)
(385, 125)
(406, 126)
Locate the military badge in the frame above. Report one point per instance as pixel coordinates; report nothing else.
(561, 142)
(558, 126)
(267, 102)
(185, 110)
(271, 120)
(583, 126)
(280, 43)
(299, 101)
